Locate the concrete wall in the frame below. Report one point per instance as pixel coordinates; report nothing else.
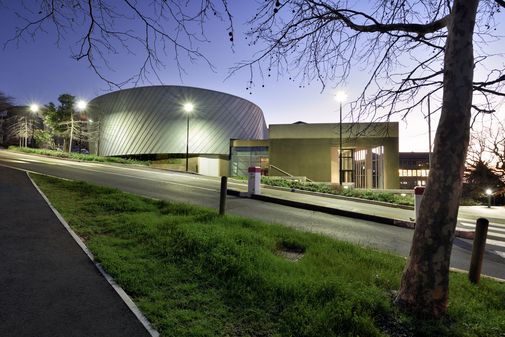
(215, 167)
(302, 157)
(391, 163)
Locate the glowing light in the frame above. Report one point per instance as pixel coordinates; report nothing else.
(34, 108)
(188, 107)
(81, 105)
(340, 96)
(489, 192)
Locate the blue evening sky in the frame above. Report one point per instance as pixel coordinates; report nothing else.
(39, 71)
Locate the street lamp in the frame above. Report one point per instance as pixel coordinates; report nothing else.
(80, 106)
(489, 193)
(340, 97)
(188, 108)
(34, 108)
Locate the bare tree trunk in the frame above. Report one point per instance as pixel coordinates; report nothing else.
(65, 144)
(71, 133)
(425, 281)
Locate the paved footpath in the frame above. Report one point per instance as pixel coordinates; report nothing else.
(48, 285)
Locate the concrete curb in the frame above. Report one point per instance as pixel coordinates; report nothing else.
(327, 195)
(340, 212)
(117, 288)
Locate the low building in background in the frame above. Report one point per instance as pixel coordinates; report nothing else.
(369, 152)
(414, 169)
(311, 151)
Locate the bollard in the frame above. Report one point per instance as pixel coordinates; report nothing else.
(479, 243)
(254, 181)
(222, 196)
(418, 197)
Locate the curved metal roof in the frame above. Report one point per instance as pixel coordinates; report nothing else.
(151, 120)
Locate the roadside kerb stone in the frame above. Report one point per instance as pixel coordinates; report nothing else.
(340, 212)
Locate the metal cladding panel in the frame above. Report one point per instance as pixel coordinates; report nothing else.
(150, 120)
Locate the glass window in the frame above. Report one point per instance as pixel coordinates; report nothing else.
(347, 165)
(244, 157)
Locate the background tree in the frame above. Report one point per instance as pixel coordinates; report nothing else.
(412, 49)
(5, 101)
(480, 171)
(20, 127)
(479, 176)
(44, 139)
(488, 145)
(58, 118)
(496, 145)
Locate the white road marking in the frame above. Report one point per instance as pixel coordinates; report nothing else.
(492, 230)
(16, 161)
(495, 242)
(501, 254)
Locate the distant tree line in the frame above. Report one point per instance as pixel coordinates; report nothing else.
(55, 126)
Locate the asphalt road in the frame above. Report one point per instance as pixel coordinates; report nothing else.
(204, 191)
(45, 293)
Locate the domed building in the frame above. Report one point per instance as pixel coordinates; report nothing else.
(163, 123)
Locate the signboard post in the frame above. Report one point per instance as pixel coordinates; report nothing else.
(253, 183)
(418, 197)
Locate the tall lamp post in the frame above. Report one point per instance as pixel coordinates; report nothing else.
(340, 97)
(489, 193)
(34, 108)
(80, 106)
(188, 108)
(97, 137)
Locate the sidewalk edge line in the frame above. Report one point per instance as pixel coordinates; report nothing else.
(119, 290)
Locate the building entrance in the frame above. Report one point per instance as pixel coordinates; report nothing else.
(369, 167)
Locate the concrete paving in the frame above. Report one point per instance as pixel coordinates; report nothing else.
(48, 285)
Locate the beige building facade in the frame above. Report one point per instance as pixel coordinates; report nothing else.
(369, 153)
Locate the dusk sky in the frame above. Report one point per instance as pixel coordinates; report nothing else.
(39, 71)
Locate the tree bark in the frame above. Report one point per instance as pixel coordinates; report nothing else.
(71, 132)
(425, 280)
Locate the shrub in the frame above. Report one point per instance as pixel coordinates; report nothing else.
(337, 190)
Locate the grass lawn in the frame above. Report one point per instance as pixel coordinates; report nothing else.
(194, 273)
(78, 156)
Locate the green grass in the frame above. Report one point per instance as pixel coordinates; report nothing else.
(78, 156)
(194, 273)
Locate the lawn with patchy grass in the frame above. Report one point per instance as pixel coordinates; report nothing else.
(78, 156)
(194, 273)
